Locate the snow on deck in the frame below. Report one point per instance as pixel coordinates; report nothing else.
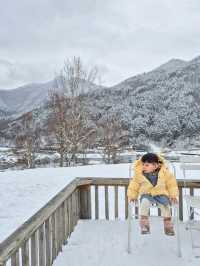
(104, 243)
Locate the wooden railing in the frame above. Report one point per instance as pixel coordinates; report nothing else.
(40, 239)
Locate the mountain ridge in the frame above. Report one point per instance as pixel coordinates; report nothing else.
(161, 105)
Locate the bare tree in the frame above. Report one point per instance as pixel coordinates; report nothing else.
(69, 121)
(28, 138)
(57, 123)
(112, 137)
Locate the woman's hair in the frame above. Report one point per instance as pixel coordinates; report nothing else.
(150, 158)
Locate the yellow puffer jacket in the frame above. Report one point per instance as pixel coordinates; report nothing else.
(166, 184)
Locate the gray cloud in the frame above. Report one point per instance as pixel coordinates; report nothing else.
(122, 37)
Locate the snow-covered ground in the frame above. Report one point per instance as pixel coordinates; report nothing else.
(104, 243)
(10, 160)
(23, 193)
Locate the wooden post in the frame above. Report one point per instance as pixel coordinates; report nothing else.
(106, 203)
(41, 246)
(34, 249)
(116, 201)
(192, 209)
(71, 216)
(126, 202)
(76, 199)
(79, 207)
(73, 210)
(181, 203)
(53, 245)
(47, 240)
(58, 230)
(25, 254)
(63, 222)
(96, 202)
(85, 202)
(66, 222)
(15, 259)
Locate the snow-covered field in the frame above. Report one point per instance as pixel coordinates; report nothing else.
(14, 161)
(24, 192)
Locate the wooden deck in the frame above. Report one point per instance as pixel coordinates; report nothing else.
(40, 240)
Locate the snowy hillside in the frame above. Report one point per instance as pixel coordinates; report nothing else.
(26, 98)
(172, 65)
(23, 99)
(162, 105)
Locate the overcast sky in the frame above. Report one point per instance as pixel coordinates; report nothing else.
(122, 38)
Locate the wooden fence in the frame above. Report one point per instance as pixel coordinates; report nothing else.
(40, 239)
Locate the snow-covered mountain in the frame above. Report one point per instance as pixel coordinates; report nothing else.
(172, 65)
(24, 99)
(162, 105)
